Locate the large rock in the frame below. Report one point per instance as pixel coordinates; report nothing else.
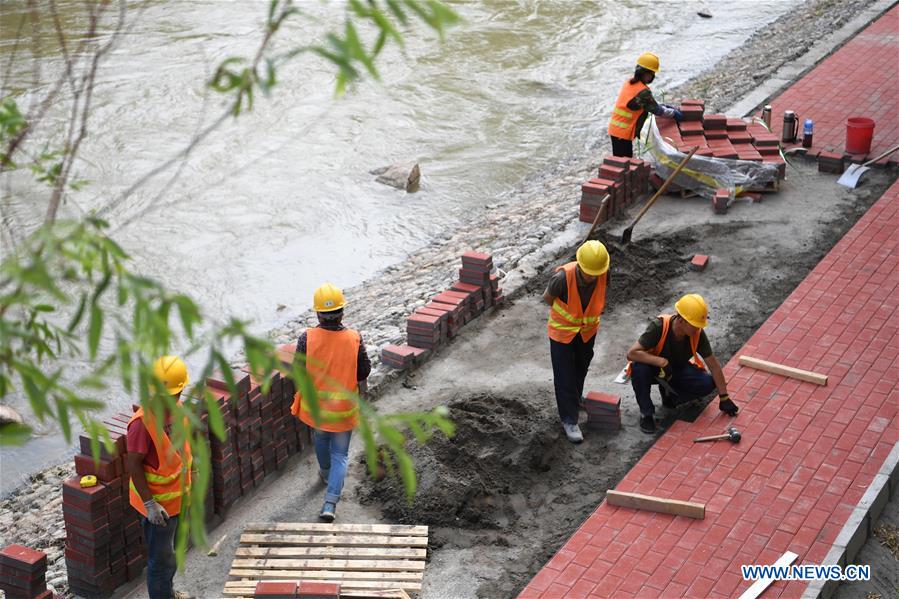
(402, 175)
(9, 416)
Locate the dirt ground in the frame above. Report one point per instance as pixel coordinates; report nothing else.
(881, 552)
(508, 490)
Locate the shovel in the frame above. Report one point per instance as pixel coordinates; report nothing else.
(854, 173)
(626, 236)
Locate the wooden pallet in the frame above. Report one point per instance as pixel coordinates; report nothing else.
(368, 560)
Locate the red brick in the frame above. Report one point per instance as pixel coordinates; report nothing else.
(23, 558)
(279, 590)
(699, 262)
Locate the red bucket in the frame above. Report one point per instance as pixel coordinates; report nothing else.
(859, 133)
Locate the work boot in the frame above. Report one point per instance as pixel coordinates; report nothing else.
(328, 512)
(648, 424)
(573, 432)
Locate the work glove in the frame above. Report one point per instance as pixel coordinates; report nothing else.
(726, 405)
(664, 373)
(156, 514)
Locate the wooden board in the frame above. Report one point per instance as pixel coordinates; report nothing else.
(656, 504)
(759, 586)
(788, 371)
(368, 560)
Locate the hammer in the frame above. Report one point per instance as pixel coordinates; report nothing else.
(731, 434)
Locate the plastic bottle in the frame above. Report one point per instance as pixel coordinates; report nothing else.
(808, 130)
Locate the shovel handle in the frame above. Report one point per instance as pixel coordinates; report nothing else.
(885, 154)
(603, 205)
(665, 185)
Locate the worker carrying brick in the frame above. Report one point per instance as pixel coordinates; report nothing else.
(160, 478)
(635, 100)
(337, 364)
(576, 294)
(668, 354)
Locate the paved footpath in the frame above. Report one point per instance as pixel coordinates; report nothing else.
(807, 456)
(808, 452)
(858, 80)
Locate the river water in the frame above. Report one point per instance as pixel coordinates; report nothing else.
(280, 200)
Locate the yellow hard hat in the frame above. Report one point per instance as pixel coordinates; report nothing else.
(593, 258)
(649, 61)
(693, 309)
(328, 298)
(172, 371)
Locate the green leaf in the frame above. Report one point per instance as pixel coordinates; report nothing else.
(14, 434)
(96, 327)
(216, 422)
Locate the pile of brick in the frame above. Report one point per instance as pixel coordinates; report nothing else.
(603, 411)
(623, 179)
(104, 539)
(302, 589)
(830, 162)
(447, 312)
(719, 136)
(23, 573)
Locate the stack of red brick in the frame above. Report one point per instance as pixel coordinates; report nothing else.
(302, 589)
(718, 136)
(603, 411)
(830, 162)
(441, 318)
(623, 179)
(23, 573)
(104, 540)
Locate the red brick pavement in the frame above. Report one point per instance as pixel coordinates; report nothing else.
(859, 79)
(807, 456)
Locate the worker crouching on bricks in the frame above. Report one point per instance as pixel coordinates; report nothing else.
(337, 364)
(635, 100)
(668, 354)
(577, 295)
(156, 471)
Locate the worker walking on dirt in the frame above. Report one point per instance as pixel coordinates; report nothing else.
(337, 364)
(668, 354)
(635, 100)
(577, 296)
(160, 477)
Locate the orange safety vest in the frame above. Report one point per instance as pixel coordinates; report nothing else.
(623, 123)
(567, 320)
(666, 326)
(331, 358)
(165, 480)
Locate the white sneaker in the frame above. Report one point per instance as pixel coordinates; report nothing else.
(573, 432)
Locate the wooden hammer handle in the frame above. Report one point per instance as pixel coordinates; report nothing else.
(712, 438)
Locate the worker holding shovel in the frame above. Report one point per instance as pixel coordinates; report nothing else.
(337, 364)
(668, 354)
(634, 102)
(577, 296)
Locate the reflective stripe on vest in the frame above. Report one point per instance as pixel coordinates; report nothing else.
(666, 327)
(331, 360)
(623, 122)
(566, 320)
(170, 480)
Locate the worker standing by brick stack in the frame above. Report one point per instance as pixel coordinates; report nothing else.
(160, 478)
(668, 354)
(634, 101)
(576, 295)
(337, 364)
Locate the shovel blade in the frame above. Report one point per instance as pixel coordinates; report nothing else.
(852, 175)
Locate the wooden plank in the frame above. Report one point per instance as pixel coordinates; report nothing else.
(400, 530)
(242, 572)
(333, 540)
(344, 592)
(788, 371)
(250, 585)
(656, 504)
(345, 552)
(389, 565)
(758, 587)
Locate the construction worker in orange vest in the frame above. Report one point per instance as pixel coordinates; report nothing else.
(338, 364)
(160, 479)
(671, 353)
(576, 294)
(634, 101)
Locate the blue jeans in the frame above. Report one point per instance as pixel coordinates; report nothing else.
(161, 564)
(332, 450)
(689, 382)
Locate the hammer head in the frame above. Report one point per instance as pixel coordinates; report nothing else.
(733, 435)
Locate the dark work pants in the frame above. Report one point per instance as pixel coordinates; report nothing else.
(622, 147)
(570, 364)
(690, 383)
(161, 564)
